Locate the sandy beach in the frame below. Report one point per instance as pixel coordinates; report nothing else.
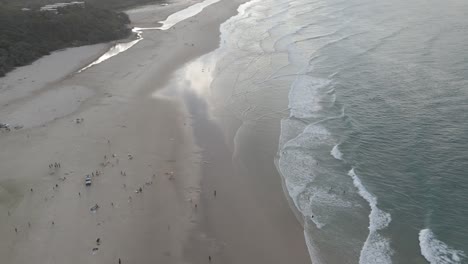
(170, 184)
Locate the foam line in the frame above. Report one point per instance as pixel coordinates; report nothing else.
(436, 251)
(376, 248)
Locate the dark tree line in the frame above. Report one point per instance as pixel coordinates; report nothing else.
(108, 4)
(27, 35)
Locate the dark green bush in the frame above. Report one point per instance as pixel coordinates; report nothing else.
(27, 35)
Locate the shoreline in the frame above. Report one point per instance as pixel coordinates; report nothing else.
(121, 117)
(248, 187)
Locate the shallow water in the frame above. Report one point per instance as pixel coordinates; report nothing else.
(371, 100)
(116, 49)
(166, 24)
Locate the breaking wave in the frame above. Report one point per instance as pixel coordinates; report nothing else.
(436, 251)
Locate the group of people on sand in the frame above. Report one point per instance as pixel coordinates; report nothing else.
(54, 165)
(95, 207)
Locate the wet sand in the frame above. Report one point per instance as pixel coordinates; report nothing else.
(135, 140)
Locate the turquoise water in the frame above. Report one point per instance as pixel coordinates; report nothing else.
(374, 141)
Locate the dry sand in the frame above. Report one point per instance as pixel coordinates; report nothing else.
(175, 219)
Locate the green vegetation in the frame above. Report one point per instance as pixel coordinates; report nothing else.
(121, 4)
(107, 4)
(27, 35)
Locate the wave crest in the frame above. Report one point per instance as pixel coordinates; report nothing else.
(376, 249)
(436, 251)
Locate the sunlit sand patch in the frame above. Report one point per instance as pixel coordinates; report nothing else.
(166, 24)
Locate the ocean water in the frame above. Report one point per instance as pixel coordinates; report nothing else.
(372, 100)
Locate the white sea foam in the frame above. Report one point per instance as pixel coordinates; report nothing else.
(336, 153)
(320, 203)
(302, 137)
(298, 167)
(313, 134)
(231, 30)
(376, 248)
(323, 197)
(436, 251)
(304, 97)
(333, 98)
